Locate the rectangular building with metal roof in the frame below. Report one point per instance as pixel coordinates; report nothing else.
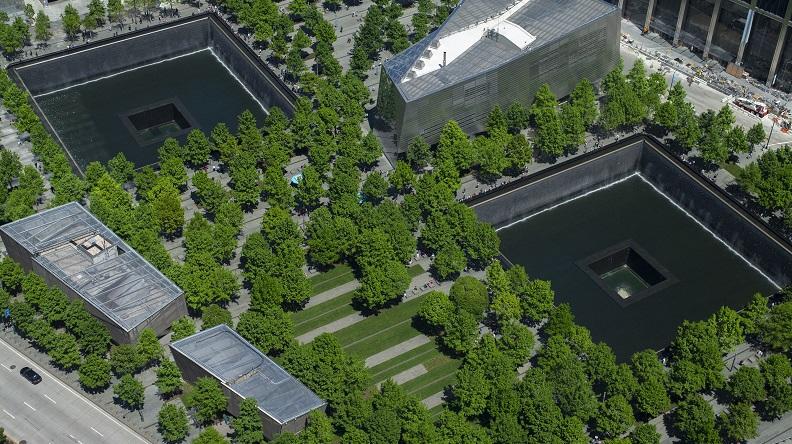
(72, 249)
(245, 372)
(494, 52)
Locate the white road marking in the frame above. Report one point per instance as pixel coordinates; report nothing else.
(7, 368)
(97, 432)
(6, 412)
(29, 406)
(83, 398)
(53, 401)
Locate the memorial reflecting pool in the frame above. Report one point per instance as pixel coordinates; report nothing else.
(134, 111)
(631, 264)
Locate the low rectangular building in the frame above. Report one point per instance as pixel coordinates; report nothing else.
(245, 372)
(73, 250)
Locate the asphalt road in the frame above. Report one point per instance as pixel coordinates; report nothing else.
(51, 412)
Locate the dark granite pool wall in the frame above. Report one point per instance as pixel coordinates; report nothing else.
(249, 68)
(740, 229)
(106, 57)
(156, 43)
(557, 183)
(719, 212)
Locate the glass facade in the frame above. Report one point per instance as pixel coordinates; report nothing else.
(761, 45)
(777, 7)
(696, 24)
(664, 17)
(733, 17)
(783, 78)
(635, 11)
(728, 31)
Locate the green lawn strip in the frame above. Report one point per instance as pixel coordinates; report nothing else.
(436, 379)
(375, 324)
(435, 411)
(332, 314)
(732, 168)
(393, 335)
(402, 362)
(339, 275)
(415, 270)
(342, 274)
(325, 307)
(338, 307)
(430, 388)
(326, 318)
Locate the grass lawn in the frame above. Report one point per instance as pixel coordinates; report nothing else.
(732, 168)
(324, 313)
(343, 273)
(377, 324)
(400, 363)
(435, 411)
(441, 374)
(379, 341)
(338, 275)
(334, 309)
(415, 270)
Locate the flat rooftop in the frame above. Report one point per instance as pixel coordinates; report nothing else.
(481, 35)
(89, 258)
(250, 373)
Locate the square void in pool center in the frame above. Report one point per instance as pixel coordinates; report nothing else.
(629, 240)
(134, 111)
(627, 272)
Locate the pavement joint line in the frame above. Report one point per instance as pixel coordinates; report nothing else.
(29, 406)
(80, 396)
(97, 432)
(6, 412)
(52, 400)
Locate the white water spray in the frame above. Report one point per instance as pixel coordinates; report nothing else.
(572, 199)
(157, 63)
(119, 73)
(725, 244)
(668, 198)
(239, 81)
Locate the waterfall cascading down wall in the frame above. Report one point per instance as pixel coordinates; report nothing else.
(728, 220)
(150, 45)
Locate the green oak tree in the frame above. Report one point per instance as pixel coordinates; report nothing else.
(172, 423)
(207, 399)
(169, 378)
(129, 392)
(95, 373)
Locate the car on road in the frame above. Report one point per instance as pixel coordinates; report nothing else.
(31, 375)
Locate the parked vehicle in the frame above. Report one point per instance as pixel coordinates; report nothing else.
(758, 108)
(30, 374)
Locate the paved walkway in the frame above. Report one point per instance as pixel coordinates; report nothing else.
(396, 350)
(9, 139)
(332, 293)
(407, 375)
(434, 400)
(334, 326)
